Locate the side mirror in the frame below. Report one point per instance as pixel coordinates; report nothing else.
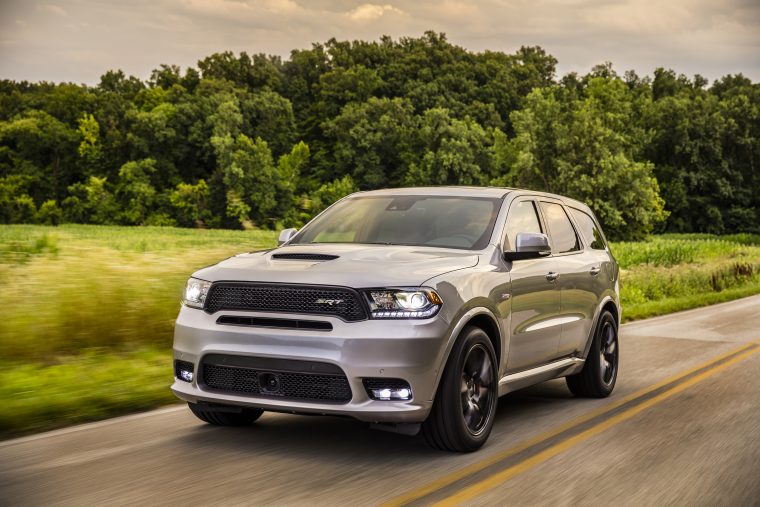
(529, 245)
(286, 235)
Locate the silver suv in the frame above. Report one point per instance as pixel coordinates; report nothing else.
(410, 309)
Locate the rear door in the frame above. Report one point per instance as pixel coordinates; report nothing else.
(577, 268)
(589, 277)
(535, 297)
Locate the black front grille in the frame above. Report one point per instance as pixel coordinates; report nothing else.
(276, 378)
(307, 299)
(304, 257)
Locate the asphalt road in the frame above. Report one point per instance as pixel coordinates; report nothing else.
(682, 428)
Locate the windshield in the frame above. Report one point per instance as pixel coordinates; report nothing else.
(449, 222)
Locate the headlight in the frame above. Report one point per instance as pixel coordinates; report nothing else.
(403, 303)
(195, 293)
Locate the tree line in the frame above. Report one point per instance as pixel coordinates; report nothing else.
(254, 141)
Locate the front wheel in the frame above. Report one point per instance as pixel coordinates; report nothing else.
(234, 416)
(465, 404)
(598, 376)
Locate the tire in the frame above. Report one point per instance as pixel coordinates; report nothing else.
(243, 417)
(599, 373)
(465, 403)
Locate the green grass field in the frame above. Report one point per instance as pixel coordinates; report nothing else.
(88, 311)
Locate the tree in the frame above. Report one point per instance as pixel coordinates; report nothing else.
(342, 86)
(371, 142)
(257, 72)
(165, 76)
(15, 204)
(191, 204)
(116, 82)
(89, 148)
(244, 182)
(587, 149)
(134, 192)
(290, 167)
(251, 178)
(268, 115)
(39, 146)
(49, 213)
(452, 152)
(328, 193)
(705, 148)
(90, 202)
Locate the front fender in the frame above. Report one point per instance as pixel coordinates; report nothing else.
(464, 316)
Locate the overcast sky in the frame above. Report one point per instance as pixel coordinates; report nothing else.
(78, 40)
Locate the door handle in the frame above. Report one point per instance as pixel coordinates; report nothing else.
(595, 270)
(552, 276)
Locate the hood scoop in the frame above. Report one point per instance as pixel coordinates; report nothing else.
(303, 257)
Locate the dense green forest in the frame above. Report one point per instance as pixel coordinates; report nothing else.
(254, 141)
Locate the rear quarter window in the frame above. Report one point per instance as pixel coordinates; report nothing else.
(589, 229)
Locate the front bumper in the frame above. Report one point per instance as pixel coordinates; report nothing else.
(410, 349)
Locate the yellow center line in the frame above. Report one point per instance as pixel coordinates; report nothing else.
(498, 478)
(466, 471)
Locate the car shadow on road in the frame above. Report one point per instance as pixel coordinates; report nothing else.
(337, 438)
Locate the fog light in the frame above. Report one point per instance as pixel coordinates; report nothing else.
(388, 389)
(183, 370)
(391, 394)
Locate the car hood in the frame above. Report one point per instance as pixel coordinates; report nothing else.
(354, 265)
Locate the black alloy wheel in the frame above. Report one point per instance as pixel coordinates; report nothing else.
(599, 373)
(464, 407)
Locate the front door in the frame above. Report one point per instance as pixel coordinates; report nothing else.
(535, 295)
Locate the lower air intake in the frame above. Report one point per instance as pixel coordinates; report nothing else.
(295, 380)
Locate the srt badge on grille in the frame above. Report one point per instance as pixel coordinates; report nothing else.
(329, 302)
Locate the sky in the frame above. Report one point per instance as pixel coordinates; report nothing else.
(79, 40)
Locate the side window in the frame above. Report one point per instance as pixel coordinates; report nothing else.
(522, 217)
(589, 229)
(561, 229)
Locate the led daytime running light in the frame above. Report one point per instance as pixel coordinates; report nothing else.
(416, 303)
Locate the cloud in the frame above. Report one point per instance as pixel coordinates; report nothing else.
(371, 12)
(690, 36)
(241, 7)
(53, 9)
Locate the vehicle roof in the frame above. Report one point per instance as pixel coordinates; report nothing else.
(454, 191)
(466, 191)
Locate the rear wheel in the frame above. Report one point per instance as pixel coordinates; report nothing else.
(598, 376)
(228, 416)
(465, 404)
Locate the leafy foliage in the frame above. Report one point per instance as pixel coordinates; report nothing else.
(589, 148)
(253, 141)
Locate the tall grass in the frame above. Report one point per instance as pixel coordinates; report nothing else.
(116, 288)
(91, 385)
(674, 250)
(675, 272)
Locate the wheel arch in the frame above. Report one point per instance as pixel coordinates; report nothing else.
(613, 309)
(609, 304)
(482, 318)
(488, 324)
